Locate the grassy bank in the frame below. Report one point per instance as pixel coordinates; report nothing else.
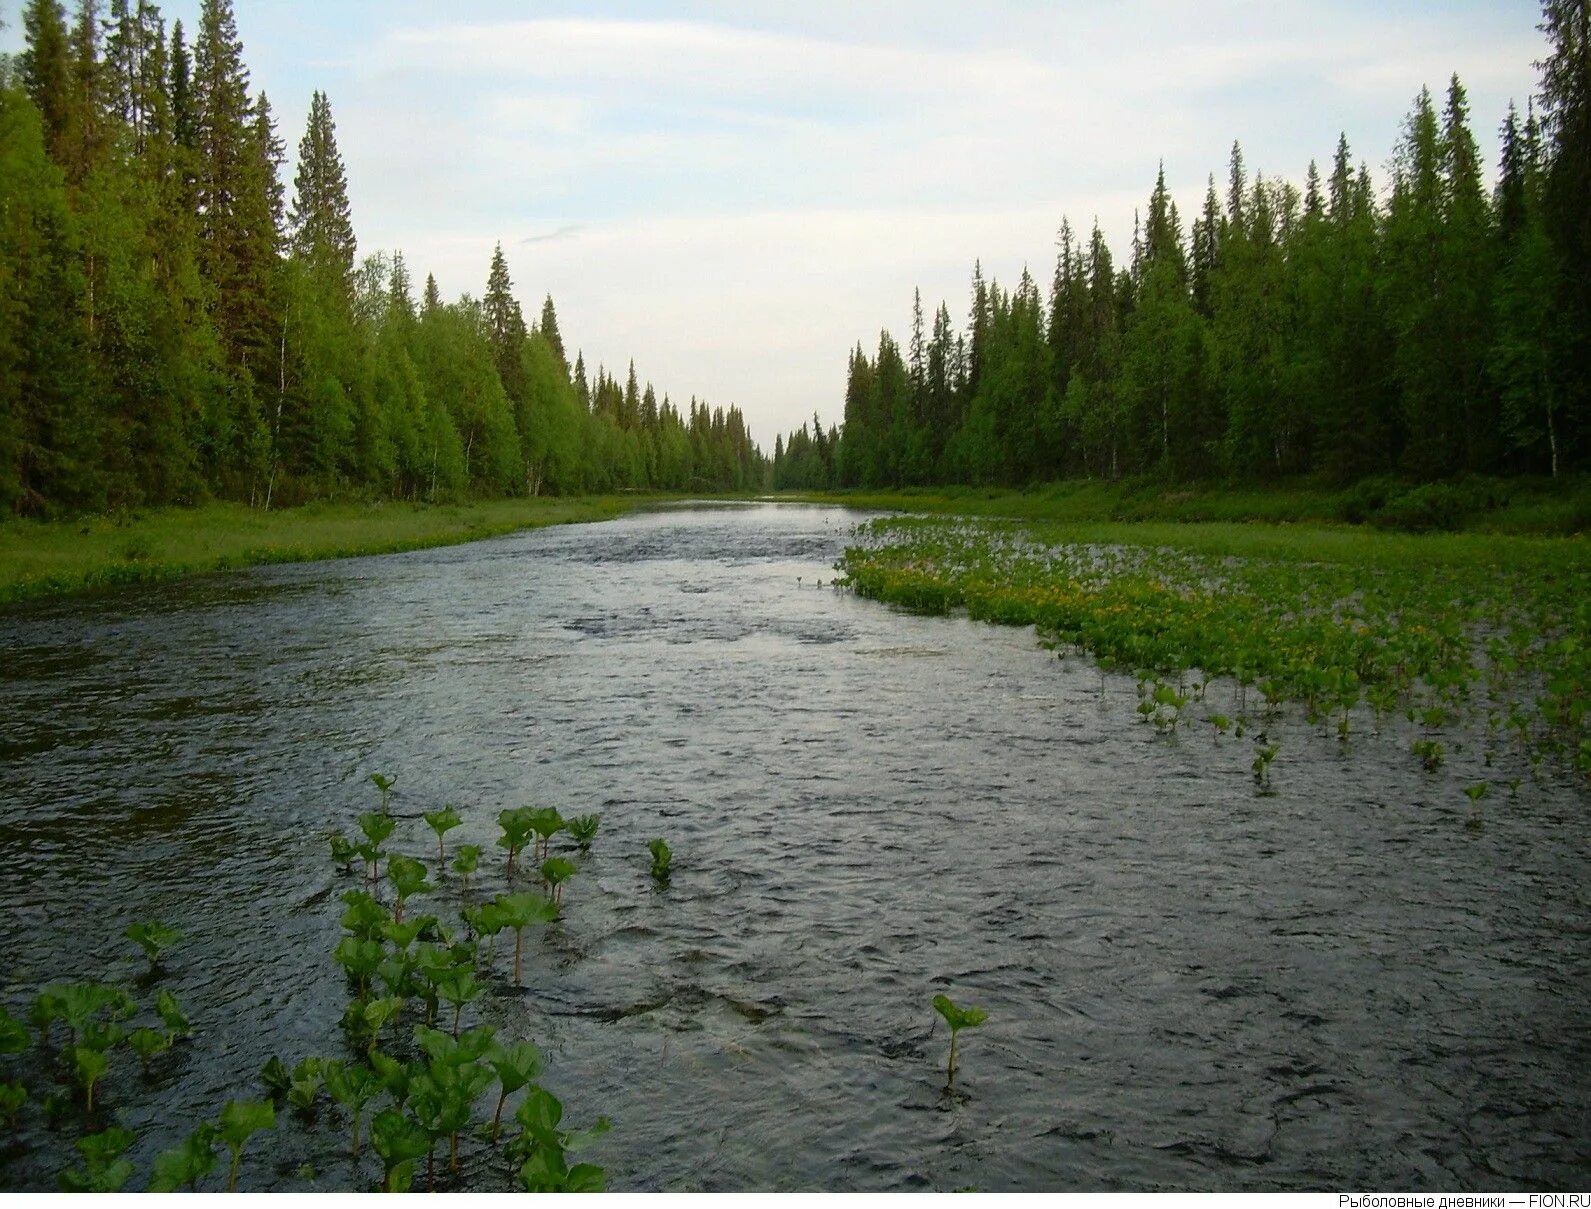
(1436, 628)
(1539, 507)
(60, 557)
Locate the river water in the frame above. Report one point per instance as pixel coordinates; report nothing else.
(1189, 986)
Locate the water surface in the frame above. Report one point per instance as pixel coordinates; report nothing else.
(1189, 986)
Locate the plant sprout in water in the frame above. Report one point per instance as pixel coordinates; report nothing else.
(519, 911)
(546, 823)
(583, 829)
(353, 1086)
(442, 821)
(555, 871)
(516, 1065)
(106, 1170)
(400, 1141)
(516, 827)
(153, 938)
(407, 876)
(1264, 755)
(240, 1121)
(377, 828)
(662, 859)
(185, 1165)
(958, 1019)
(1475, 793)
(343, 850)
(465, 861)
(384, 784)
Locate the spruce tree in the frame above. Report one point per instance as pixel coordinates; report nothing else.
(320, 222)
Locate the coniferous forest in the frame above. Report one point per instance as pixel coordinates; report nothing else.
(177, 324)
(1428, 327)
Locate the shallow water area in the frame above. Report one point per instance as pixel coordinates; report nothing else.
(1189, 985)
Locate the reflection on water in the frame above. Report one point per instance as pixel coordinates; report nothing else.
(1188, 986)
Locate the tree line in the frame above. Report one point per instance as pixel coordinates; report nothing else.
(175, 327)
(1439, 330)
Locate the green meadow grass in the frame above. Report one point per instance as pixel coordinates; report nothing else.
(53, 558)
(1515, 507)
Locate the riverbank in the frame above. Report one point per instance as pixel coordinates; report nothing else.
(1523, 506)
(57, 558)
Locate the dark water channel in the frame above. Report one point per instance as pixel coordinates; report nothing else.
(1189, 986)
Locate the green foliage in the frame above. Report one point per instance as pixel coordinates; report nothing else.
(407, 876)
(957, 1018)
(542, 1149)
(241, 1120)
(442, 821)
(583, 829)
(106, 1170)
(517, 828)
(556, 870)
(432, 1097)
(185, 1165)
(153, 939)
(13, 1034)
(1325, 619)
(662, 859)
(384, 786)
(399, 1140)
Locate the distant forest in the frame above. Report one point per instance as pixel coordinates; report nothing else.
(1322, 330)
(174, 327)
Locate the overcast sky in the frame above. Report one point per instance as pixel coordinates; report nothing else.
(735, 193)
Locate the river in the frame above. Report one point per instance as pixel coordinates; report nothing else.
(1189, 986)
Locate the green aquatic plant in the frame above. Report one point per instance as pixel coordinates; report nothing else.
(458, 986)
(662, 859)
(304, 1086)
(519, 911)
(1475, 793)
(148, 1043)
(555, 871)
(583, 829)
(153, 938)
(957, 1018)
(364, 916)
(384, 784)
(442, 1095)
(517, 827)
(353, 1085)
(375, 1016)
(407, 876)
(343, 851)
(105, 1169)
(465, 861)
(442, 821)
(171, 1015)
(400, 1141)
(13, 1034)
(12, 1097)
(184, 1165)
(542, 1149)
(240, 1121)
(1430, 752)
(546, 822)
(276, 1078)
(89, 1064)
(1264, 755)
(378, 828)
(516, 1065)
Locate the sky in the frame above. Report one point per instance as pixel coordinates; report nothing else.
(735, 194)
